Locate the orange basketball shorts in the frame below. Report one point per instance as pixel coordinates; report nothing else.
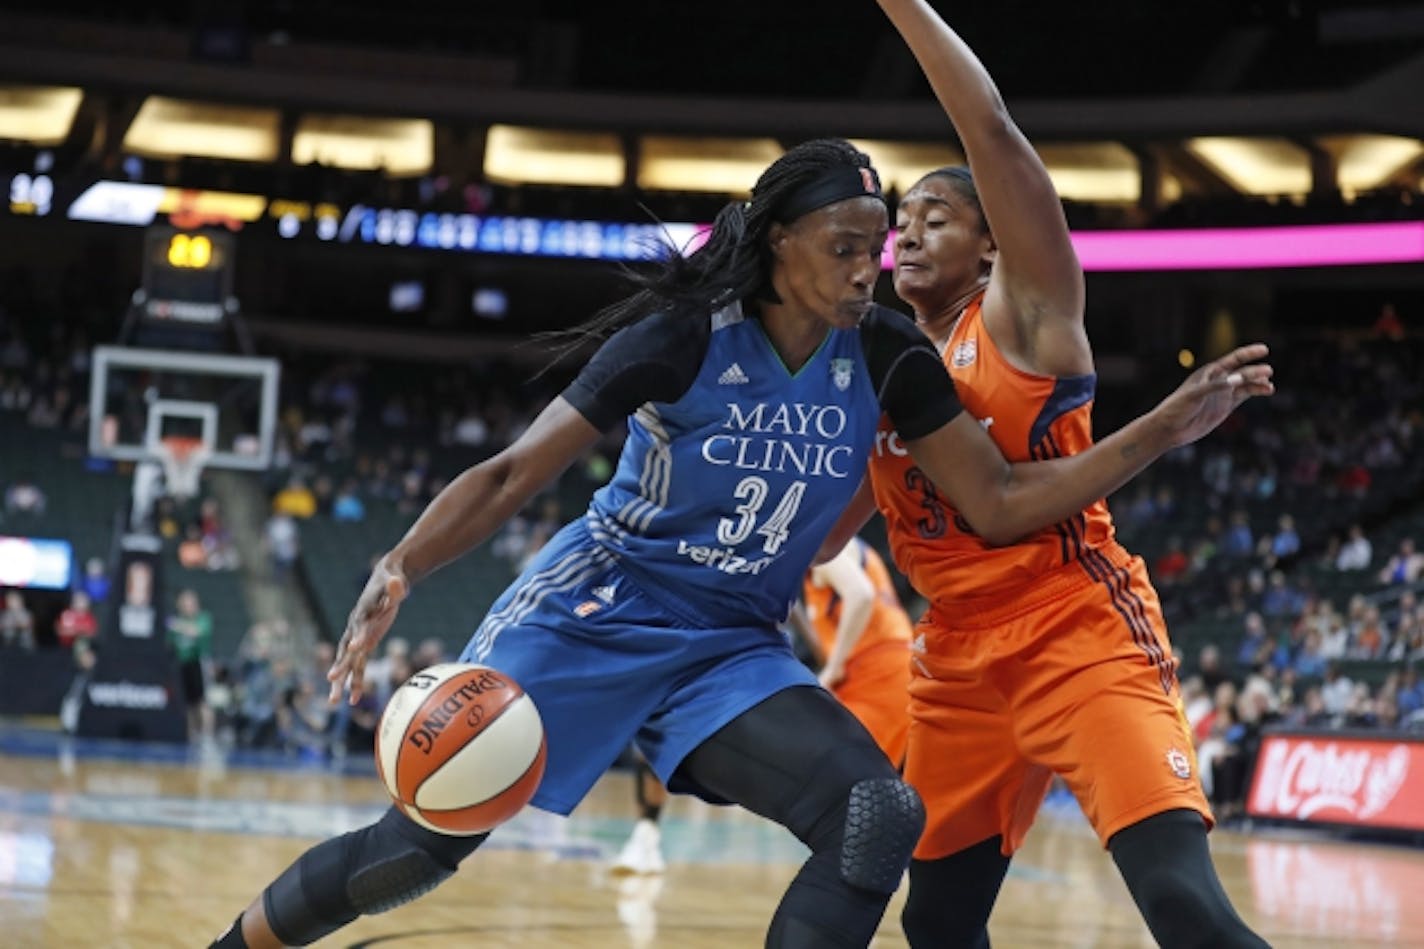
(1072, 676)
(874, 690)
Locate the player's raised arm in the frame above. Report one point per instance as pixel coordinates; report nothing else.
(1036, 274)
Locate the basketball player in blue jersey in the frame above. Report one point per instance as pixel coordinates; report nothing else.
(752, 374)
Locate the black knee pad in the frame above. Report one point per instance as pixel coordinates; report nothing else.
(883, 821)
(368, 871)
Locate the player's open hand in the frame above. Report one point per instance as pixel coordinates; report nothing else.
(372, 615)
(1213, 392)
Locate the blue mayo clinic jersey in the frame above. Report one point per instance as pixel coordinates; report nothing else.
(722, 498)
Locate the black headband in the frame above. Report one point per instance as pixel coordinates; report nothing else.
(834, 184)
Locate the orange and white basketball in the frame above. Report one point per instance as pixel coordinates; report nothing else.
(461, 748)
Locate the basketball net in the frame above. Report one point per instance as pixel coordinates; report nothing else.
(182, 460)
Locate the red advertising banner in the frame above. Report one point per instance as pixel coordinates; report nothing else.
(1373, 782)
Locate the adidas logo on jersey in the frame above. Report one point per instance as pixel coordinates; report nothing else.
(604, 593)
(733, 376)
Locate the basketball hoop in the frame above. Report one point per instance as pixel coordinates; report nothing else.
(182, 460)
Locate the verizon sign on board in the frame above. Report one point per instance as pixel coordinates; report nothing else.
(1378, 783)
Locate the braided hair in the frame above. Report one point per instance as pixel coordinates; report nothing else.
(735, 263)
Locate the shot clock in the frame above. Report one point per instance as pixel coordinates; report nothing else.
(187, 275)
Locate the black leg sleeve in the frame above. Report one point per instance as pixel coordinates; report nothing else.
(1168, 869)
(951, 898)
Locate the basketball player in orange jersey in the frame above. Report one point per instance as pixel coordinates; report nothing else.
(854, 620)
(1049, 656)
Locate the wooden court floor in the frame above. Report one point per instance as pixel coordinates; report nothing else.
(96, 851)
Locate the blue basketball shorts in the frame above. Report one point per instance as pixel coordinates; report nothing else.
(606, 665)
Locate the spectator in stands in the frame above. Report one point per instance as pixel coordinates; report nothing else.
(1356, 553)
(1281, 598)
(347, 505)
(1405, 566)
(1212, 728)
(76, 622)
(1335, 641)
(365, 716)
(1255, 647)
(1388, 325)
(25, 497)
(96, 580)
(1309, 663)
(1255, 709)
(1238, 541)
(192, 555)
(1407, 628)
(295, 500)
(1354, 480)
(1411, 693)
(383, 668)
(258, 692)
(1313, 712)
(1286, 542)
(430, 652)
(282, 539)
(1196, 702)
(17, 623)
(470, 429)
(1209, 667)
(1336, 690)
(220, 552)
(1173, 564)
(1370, 638)
(190, 636)
(1387, 715)
(303, 718)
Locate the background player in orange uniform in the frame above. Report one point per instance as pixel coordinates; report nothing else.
(860, 632)
(1051, 655)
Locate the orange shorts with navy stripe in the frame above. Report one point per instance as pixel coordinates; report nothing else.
(1073, 677)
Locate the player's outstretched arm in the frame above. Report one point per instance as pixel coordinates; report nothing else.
(844, 574)
(1004, 502)
(461, 517)
(1036, 271)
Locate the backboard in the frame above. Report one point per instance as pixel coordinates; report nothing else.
(138, 397)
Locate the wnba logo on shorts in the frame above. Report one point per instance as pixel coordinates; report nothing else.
(965, 354)
(1180, 764)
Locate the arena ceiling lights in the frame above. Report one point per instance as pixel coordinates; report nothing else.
(1371, 161)
(713, 165)
(1257, 166)
(41, 115)
(901, 164)
(179, 128)
(1093, 172)
(402, 147)
(516, 155)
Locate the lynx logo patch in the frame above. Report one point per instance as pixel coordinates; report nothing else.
(841, 370)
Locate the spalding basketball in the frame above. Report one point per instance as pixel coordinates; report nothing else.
(461, 748)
